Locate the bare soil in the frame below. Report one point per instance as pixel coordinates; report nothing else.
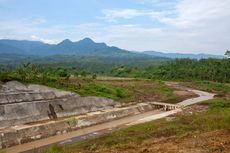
(180, 91)
(214, 142)
(209, 142)
(184, 94)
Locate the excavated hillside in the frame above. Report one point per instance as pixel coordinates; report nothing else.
(20, 103)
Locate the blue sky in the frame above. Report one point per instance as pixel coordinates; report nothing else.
(187, 26)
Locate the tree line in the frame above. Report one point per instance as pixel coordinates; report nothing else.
(217, 70)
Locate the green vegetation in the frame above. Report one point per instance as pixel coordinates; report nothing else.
(216, 70)
(143, 90)
(216, 87)
(102, 90)
(101, 65)
(227, 53)
(86, 83)
(187, 69)
(164, 90)
(72, 121)
(55, 149)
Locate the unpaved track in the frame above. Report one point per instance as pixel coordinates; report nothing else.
(100, 129)
(202, 96)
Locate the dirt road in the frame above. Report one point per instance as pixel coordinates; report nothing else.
(97, 130)
(203, 96)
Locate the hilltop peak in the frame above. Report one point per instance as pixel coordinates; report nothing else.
(66, 41)
(87, 40)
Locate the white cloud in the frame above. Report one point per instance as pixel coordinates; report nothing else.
(199, 13)
(112, 14)
(29, 29)
(158, 3)
(187, 13)
(48, 41)
(191, 26)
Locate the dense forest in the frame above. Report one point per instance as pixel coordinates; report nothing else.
(205, 69)
(94, 64)
(217, 70)
(181, 69)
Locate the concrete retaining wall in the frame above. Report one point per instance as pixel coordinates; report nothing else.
(27, 133)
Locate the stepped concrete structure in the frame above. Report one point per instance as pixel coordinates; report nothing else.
(20, 104)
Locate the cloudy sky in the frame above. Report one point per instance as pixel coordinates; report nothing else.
(187, 26)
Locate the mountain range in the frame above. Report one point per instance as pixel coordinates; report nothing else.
(181, 55)
(84, 47)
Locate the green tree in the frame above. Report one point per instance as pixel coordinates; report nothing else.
(23, 71)
(62, 72)
(94, 76)
(227, 53)
(83, 74)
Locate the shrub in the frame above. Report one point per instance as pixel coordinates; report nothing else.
(72, 121)
(119, 93)
(5, 76)
(55, 149)
(219, 104)
(94, 76)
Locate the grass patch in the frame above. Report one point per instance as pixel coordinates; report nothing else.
(166, 92)
(125, 91)
(86, 87)
(140, 90)
(103, 90)
(55, 149)
(219, 88)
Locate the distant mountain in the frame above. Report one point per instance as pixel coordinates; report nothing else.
(180, 55)
(5, 48)
(87, 47)
(84, 47)
(21, 46)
